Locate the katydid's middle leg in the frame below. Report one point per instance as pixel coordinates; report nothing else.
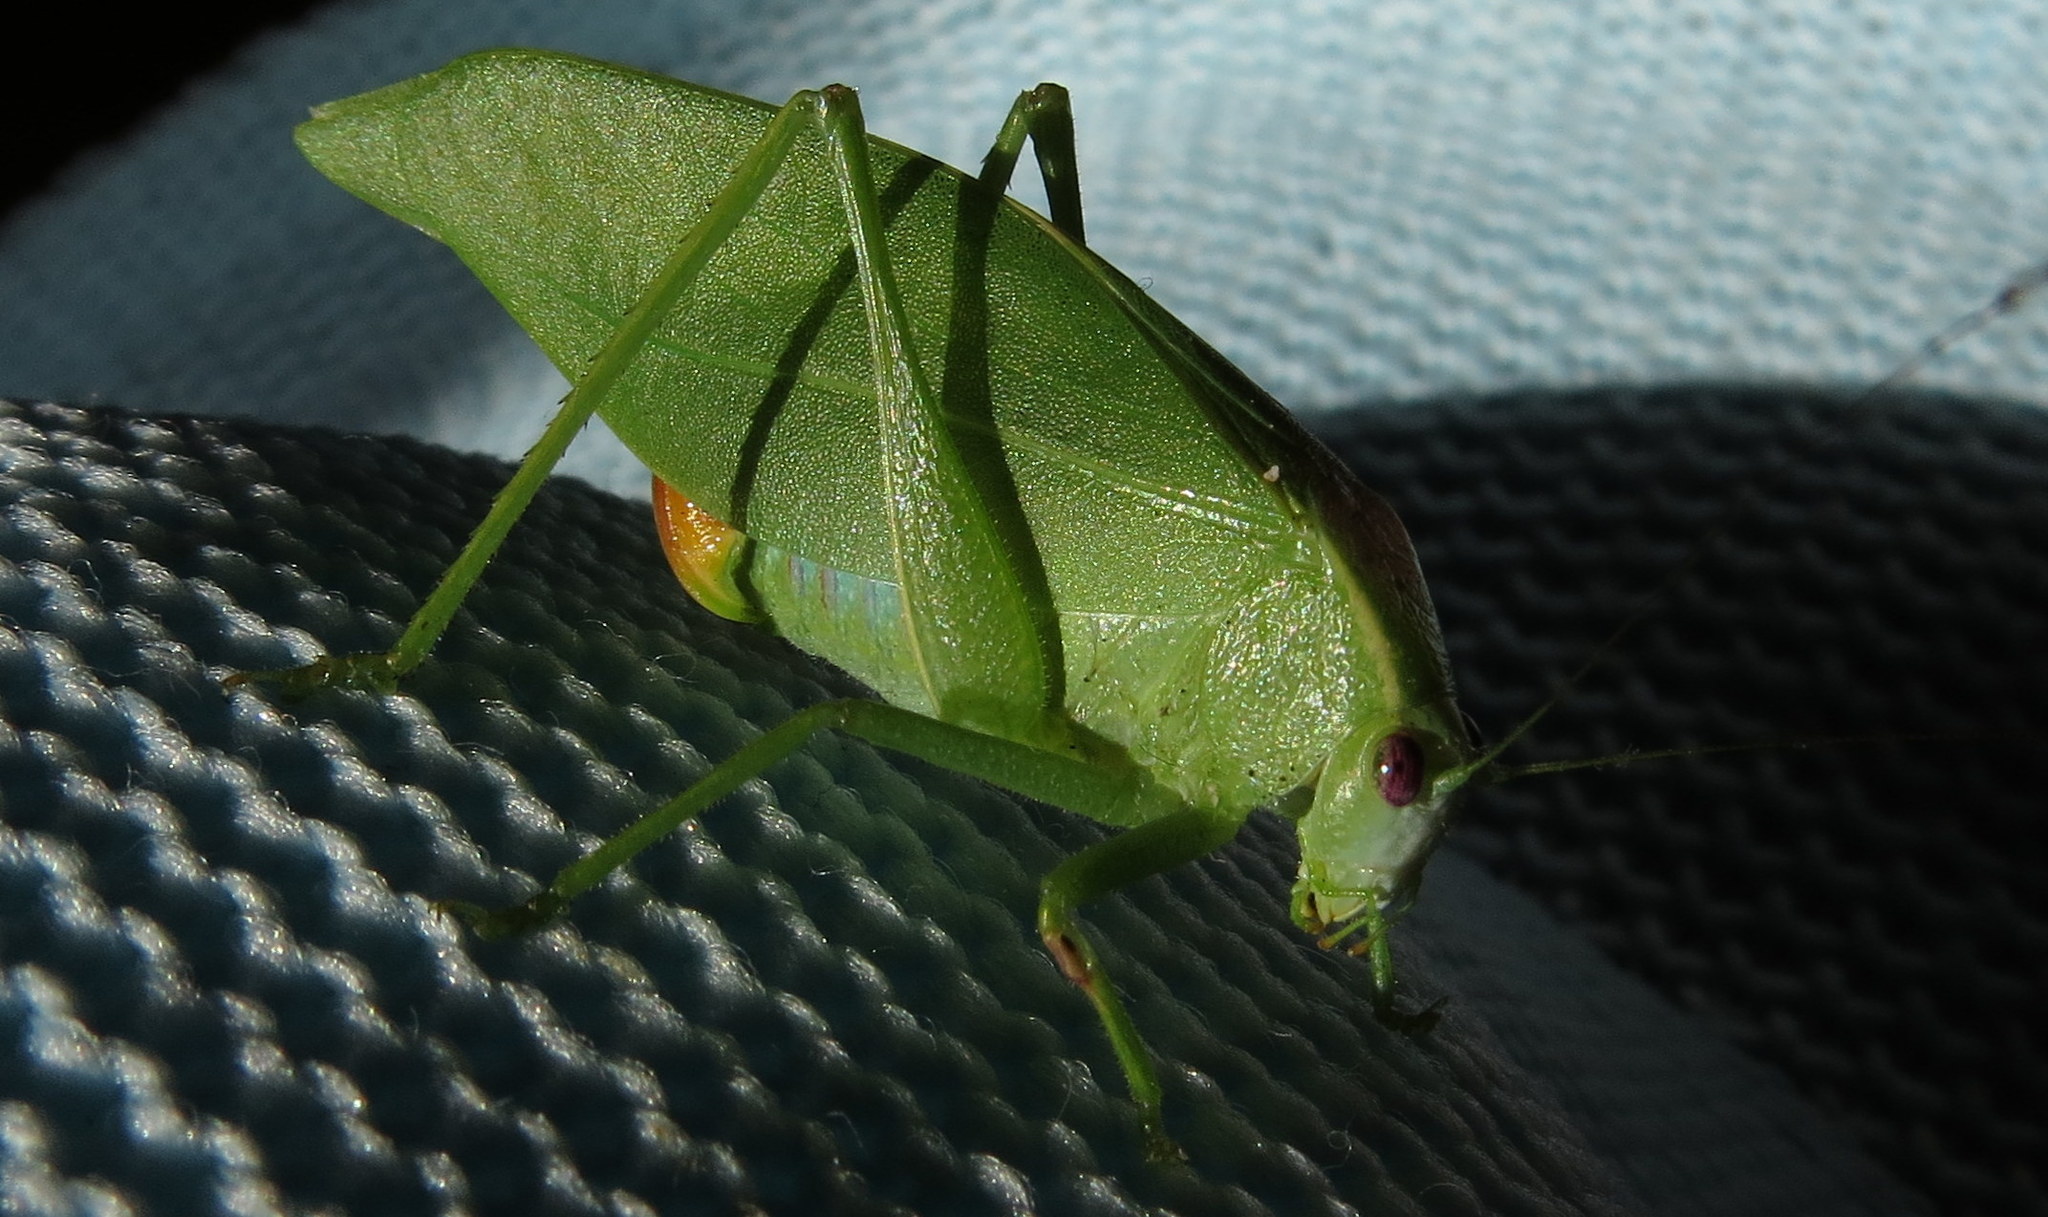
(1151, 848)
(1090, 786)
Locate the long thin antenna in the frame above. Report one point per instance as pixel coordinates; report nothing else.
(1509, 773)
(2008, 299)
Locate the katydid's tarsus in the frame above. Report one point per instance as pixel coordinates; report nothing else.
(928, 435)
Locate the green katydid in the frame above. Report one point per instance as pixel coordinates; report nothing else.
(928, 435)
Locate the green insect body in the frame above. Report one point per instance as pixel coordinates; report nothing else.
(925, 433)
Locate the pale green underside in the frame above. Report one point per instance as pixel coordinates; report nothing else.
(1225, 707)
(1202, 621)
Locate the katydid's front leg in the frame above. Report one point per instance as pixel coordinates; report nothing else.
(1376, 945)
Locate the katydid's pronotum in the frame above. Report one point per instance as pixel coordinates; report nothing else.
(928, 435)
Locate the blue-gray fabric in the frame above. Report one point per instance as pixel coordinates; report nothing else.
(1354, 201)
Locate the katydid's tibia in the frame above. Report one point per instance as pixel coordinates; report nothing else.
(925, 433)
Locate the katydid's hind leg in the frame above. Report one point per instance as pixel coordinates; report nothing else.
(1149, 849)
(1018, 766)
(381, 670)
(1045, 115)
(978, 625)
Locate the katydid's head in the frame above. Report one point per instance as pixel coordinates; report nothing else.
(1380, 807)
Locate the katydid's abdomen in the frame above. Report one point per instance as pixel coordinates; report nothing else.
(1224, 703)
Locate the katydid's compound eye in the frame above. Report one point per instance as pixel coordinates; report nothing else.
(1398, 768)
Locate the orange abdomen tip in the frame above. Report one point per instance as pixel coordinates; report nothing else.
(703, 551)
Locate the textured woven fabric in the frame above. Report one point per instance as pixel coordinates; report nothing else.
(225, 987)
(224, 980)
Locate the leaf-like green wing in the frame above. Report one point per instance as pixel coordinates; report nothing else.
(757, 400)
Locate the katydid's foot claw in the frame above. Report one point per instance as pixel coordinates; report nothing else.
(1160, 1148)
(493, 924)
(1418, 1022)
(374, 671)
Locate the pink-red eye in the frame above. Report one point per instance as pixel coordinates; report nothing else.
(1397, 767)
